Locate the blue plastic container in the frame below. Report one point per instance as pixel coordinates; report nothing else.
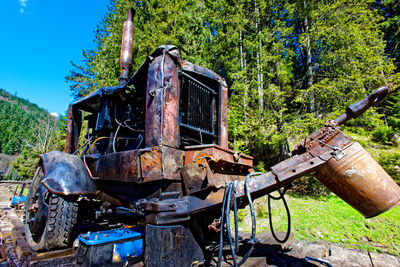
(113, 247)
(17, 200)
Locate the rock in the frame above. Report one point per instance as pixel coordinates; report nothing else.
(384, 260)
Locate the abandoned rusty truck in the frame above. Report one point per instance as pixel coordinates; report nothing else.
(153, 175)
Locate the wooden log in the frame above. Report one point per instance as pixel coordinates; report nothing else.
(15, 220)
(53, 254)
(22, 249)
(14, 182)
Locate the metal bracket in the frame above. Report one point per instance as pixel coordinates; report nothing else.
(338, 153)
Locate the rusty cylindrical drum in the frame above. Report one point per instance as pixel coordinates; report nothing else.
(360, 181)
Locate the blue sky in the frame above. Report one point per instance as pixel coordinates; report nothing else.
(38, 39)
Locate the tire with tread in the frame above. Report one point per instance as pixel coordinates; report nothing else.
(61, 219)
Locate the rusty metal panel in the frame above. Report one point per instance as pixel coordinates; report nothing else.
(223, 115)
(122, 166)
(139, 166)
(211, 166)
(207, 173)
(194, 177)
(74, 124)
(161, 163)
(360, 181)
(162, 96)
(192, 153)
(154, 103)
(65, 174)
(172, 162)
(170, 125)
(151, 164)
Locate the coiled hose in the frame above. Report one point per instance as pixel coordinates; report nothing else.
(281, 196)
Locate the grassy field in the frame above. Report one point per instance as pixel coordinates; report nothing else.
(329, 219)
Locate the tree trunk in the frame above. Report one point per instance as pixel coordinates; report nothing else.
(242, 67)
(309, 68)
(259, 68)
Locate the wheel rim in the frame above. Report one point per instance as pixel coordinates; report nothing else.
(38, 212)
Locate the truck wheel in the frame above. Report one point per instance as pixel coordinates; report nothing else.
(49, 219)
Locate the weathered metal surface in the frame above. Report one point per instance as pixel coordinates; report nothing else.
(74, 124)
(356, 109)
(101, 196)
(65, 174)
(161, 162)
(162, 98)
(221, 172)
(126, 46)
(207, 173)
(211, 166)
(360, 181)
(143, 165)
(194, 177)
(223, 115)
(121, 166)
(193, 153)
(172, 245)
(328, 136)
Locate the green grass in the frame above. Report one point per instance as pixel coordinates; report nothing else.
(330, 219)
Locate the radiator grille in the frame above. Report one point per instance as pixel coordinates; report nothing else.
(196, 111)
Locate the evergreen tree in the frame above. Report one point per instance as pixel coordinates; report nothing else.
(347, 57)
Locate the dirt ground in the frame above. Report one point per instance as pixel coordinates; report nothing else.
(6, 191)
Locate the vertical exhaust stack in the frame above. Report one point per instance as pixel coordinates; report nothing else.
(126, 47)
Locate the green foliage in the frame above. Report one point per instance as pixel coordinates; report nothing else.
(27, 162)
(241, 214)
(19, 122)
(26, 130)
(309, 186)
(390, 9)
(391, 108)
(382, 133)
(390, 161)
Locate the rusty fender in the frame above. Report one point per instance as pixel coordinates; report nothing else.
(65, 174)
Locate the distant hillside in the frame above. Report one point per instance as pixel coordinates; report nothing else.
(19, 123)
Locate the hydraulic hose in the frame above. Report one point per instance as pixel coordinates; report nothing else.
(281, 196)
